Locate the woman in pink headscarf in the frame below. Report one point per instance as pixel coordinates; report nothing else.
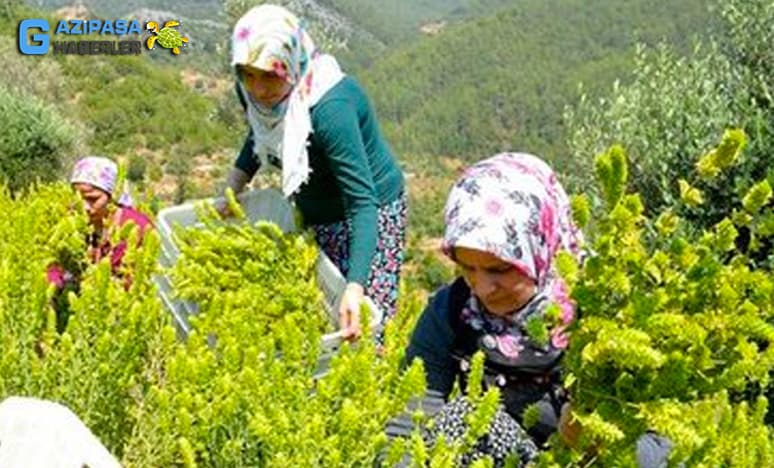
(507, 218)
(95, 179)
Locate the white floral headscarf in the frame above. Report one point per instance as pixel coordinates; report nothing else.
(512, 206)
(271, 38)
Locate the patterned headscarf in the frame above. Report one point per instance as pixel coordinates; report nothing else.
(512, 206)
(97, 171)
(101, 173)
(271, 38)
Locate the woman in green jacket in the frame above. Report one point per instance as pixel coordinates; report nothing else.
(316, 125)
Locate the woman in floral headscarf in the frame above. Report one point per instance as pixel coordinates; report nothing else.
(316, 125)
(507, 218)
(95, 179)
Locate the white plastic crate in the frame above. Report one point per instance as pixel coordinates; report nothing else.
(267, 205)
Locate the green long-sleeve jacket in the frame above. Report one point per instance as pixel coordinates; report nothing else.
(353, 171)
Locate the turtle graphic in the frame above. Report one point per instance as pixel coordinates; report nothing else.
(167, 37)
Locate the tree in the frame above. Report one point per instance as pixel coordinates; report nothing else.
(670, 114)
(36, 141)
(135, 172)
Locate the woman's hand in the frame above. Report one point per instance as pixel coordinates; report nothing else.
(569, 429)
(349, 311)
(224, 211)
(93, 254)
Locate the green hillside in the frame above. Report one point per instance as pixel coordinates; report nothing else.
(367, 27)
(398, 21)
(478, 86)
(199, 9)
(501, 82)
(164, 116)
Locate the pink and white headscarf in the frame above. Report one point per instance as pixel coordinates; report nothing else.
(271, 38)
(96, 171)
(512, 206)
(101, 173)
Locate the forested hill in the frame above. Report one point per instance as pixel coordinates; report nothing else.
(398, 21)
(490, 75)
(501, 81)
(367, 27)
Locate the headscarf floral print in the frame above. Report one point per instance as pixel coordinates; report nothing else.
(273, 39)
(96, 171)
(512, 206)
(102, 173)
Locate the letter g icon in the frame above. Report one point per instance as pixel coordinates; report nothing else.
(38, 44)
